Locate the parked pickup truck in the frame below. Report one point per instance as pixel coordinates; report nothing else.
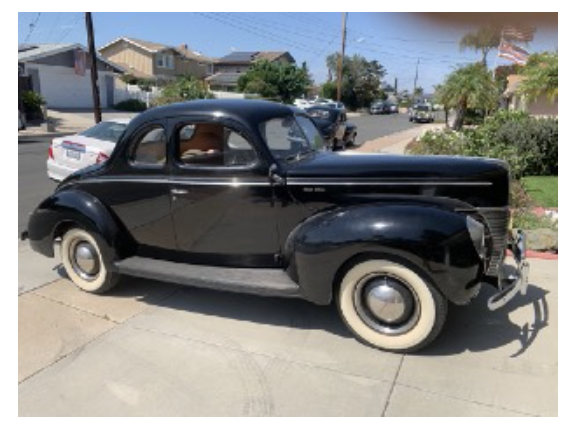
(239, 195)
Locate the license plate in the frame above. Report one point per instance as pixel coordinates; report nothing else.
(73, 154)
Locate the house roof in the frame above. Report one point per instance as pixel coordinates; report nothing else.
(250, 57)
(153, 47)
(30, 53)
(227, 79)
(514, 81)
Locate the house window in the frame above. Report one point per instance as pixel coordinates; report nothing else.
(165, 61)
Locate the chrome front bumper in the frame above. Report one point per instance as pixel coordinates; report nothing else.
(513, 280)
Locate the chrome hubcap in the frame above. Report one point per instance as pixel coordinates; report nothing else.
(85, 260)
(388, 300)
(386, 304)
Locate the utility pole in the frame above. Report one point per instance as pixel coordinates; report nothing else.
(395, 89)
(341, 57)
(93, 59)
(416, 77)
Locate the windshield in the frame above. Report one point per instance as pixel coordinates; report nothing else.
(291, 137)
(423, 108)
(106, 131)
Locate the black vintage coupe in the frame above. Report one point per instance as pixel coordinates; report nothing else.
(240, 196)
(332, 122)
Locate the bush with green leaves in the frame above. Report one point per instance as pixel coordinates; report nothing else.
(33, 102)
(185, 88)
(132, 105)
(528, 144)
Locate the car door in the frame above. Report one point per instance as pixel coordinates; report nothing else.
(136, 188)
(223, 204)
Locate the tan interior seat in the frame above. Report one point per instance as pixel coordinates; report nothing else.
(206, 139)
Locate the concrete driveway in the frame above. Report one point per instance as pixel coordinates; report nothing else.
(152, 348)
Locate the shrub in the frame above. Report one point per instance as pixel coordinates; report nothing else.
(528, 144)
(185, 88)
(33, 102)
(132, 105)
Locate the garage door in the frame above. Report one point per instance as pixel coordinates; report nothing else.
(62, 88)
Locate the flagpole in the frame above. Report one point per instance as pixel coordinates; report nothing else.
(497, 55)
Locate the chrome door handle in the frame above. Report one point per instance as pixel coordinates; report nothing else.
(179, 192)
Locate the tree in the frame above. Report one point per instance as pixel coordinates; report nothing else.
(469, 87)
(275, 80)
(485, 39)
(502, 72)
(418, 93)
(541, 73)
(185, 88)
(361, 84)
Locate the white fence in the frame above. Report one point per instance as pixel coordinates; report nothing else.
(124, 92)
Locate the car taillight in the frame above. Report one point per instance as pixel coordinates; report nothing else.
(51, 152)
(101, 158)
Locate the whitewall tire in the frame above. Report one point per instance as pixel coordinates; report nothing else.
(84, 263)
(391, 307)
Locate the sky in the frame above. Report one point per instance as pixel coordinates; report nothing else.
(397, 40)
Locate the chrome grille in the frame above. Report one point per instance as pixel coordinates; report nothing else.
(497, 221)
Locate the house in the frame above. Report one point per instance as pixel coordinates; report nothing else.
(540, 106)
(155, 61)
(228, 69)
(60, 73)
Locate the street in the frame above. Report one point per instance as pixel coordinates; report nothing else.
(33, 182)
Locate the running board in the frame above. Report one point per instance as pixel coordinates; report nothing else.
(265, 282)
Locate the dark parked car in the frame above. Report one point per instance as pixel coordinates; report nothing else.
(421, 113)
(334, 126)
(379, 107)
(240, 196)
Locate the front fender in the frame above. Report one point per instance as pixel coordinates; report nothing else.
(430, 239)
(74, 207)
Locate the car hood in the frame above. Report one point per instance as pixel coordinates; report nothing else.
(350, 165)
(459, 177)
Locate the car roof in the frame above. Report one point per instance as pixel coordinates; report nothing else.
(121, 120)
(247, 110)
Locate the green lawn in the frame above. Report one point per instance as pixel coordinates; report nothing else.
(542, 190)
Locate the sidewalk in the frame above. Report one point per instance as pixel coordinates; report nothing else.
(396, 143)
(67, 122)
(150, 348)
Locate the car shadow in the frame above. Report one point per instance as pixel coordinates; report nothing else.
(473, 328)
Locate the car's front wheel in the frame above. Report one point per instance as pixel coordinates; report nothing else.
(390, 306)
(83, 260)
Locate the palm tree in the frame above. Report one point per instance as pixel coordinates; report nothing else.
(485, 39)
(541, 72)
(470, 87)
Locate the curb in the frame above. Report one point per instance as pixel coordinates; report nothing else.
(25, 139)
(540, 255)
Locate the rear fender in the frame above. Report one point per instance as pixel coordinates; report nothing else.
(432, 240)
(73, 207)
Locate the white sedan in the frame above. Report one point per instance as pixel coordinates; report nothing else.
(93, 146)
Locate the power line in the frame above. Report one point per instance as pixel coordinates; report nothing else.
(258, 32)
(71, 27)
(56, 20)
(33, 25)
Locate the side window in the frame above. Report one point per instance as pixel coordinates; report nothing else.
(151, 148)
(213, 145)
(284, 137)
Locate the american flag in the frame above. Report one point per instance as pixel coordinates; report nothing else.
(513, 53)
(518, 34)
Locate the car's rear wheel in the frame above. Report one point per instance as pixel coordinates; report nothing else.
(83, 260)
(390, 306)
